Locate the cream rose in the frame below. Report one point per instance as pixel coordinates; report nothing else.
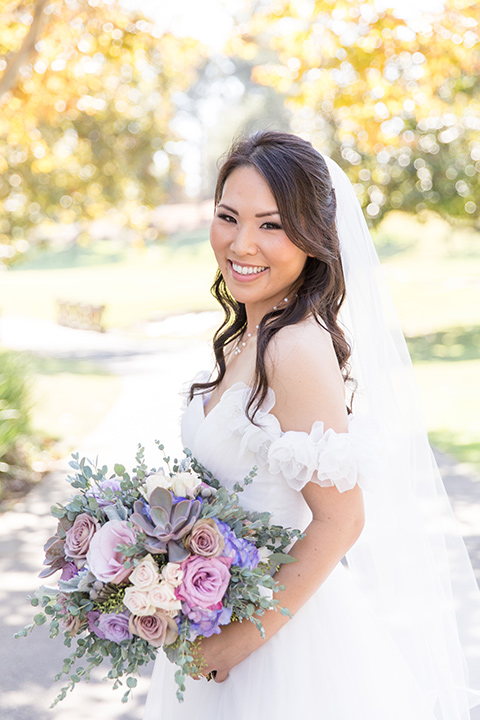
(172, 573)
(158, 479)
(137, 601)
(162, 596)
(184, 484)
(146, 574)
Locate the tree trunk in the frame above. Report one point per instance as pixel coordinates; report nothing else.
(16, 60)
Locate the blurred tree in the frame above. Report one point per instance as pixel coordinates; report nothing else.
(397, 103)
(87, 98)
(222, 102)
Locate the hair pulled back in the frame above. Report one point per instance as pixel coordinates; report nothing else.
(301, 185)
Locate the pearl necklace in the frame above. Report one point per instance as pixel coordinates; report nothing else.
(242, 344)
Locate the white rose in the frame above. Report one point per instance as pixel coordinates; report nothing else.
(137, 601)
(184, 484)
(145, 574)
(158, 479)
(162, 596)
(264, 554)
(172, 573)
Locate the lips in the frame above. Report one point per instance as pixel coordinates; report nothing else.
(247, 269)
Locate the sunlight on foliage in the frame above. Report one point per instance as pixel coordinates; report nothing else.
(396, 103)
(85, 125)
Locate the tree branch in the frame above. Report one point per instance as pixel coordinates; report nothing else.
(16, 60)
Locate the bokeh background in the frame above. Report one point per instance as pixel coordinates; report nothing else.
(113, 114)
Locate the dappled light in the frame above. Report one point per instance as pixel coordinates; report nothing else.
(395, 101)
(86, 125)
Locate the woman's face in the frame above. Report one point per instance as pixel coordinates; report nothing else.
(259, 263)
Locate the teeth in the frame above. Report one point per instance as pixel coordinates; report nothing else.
(247, 270)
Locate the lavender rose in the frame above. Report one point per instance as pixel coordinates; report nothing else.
(93, 618)
(206, 539)
(104, 561)
(78, 538)
(114, 626)
(205, 581)
(158, 629)
(109, 626)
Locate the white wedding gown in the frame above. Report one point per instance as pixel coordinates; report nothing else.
(334, 660)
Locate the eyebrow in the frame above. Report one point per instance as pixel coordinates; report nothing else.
(258, 215)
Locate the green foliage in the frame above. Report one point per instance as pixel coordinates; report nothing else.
(86, 126)
(15, 400)
(396, 103)
(249, 593)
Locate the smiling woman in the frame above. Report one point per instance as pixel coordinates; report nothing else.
(379, 640)
(259, 263)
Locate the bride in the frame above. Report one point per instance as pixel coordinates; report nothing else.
(313, 386)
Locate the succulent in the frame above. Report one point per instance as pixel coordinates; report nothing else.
(165, 523)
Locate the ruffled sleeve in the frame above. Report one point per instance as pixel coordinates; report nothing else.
(326, 457)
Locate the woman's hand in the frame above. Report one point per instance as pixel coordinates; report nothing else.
(218, 654)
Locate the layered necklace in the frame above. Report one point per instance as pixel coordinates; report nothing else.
(242, 343)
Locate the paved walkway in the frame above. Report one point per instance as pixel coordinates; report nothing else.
(153, 371)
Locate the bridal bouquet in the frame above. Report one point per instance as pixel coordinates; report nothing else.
(153, 558)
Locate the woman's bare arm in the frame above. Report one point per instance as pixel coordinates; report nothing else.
(308, 386)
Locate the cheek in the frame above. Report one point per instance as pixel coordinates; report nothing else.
(218, 239)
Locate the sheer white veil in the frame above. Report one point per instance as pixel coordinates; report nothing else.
(410, 560)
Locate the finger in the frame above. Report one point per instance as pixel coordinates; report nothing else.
(220, 676)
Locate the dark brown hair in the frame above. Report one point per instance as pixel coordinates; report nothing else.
(301, 185)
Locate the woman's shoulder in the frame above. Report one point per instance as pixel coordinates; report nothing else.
(306, 345)
(305, 376)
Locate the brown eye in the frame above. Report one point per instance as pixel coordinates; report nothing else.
(227, 218)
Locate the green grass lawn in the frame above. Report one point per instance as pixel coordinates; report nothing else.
(433, 272)
(134, 284)
(69, 399)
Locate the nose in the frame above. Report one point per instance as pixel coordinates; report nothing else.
(245, 241)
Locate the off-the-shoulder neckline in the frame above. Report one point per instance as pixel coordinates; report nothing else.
(239, 385)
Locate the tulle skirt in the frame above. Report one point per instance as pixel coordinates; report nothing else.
(332, 661)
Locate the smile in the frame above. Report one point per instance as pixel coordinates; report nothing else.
(248, 269)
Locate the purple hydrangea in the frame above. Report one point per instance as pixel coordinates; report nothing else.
(109, 626)
(243, 552)
(206, 622)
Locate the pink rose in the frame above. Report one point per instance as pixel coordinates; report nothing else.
(78, 538)
(206, 539)
(162, 596)
(158, 629)
(103, 560)
(137, 601)
(145, 574)
(205, 581)
(72, 624)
